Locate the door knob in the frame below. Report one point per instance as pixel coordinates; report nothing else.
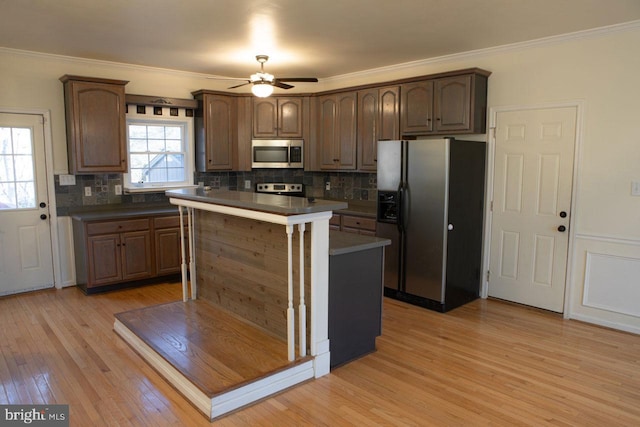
(562, 229)
(563, 214)
(450, 227)
(43, 216)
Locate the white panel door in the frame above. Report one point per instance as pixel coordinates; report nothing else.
(26, 261)
(532, 206)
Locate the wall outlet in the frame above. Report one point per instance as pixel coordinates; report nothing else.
(635, 188)
(327, 185)
(118, 189)
(67, 180)
(247, 184)
(200, 184)
(87, 191)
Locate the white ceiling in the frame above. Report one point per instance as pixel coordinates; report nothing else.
(304, 38)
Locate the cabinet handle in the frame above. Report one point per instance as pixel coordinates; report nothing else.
(438, 119)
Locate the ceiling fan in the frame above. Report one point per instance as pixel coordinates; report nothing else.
(263, 83)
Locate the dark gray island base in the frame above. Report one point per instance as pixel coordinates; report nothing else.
(355, 294)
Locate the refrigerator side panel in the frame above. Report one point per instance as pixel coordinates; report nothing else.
(427, 181)
(389, 165)
(466, 214)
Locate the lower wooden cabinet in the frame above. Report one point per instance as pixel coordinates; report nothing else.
(167, 245)
(353, 224)
(111, 252)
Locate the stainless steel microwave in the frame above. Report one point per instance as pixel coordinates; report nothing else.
(277, 153)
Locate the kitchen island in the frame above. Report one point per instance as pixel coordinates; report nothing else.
(259, 260)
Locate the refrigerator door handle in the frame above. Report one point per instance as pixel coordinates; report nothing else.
(406, 201)
(400, 221)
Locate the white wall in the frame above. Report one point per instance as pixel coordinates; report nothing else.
(597, 69)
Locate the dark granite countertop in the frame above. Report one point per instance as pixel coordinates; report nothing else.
(105, 212)
(364, 208)
(343, 243)
(281, 205)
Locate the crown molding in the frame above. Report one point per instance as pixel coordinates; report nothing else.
(102, 63)
(545, 41)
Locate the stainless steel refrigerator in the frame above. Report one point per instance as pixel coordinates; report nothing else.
(431, 205)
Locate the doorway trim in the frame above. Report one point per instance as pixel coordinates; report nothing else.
(577, 172)
(51, 188)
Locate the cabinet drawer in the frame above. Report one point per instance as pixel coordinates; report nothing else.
(361, 223)
(335, 220)
(166, 222)
(105, 227)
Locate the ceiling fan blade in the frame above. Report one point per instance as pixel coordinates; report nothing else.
(278, 83)
(298, 79)
(246, 82)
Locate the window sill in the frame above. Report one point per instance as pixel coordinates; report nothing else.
(154, 189)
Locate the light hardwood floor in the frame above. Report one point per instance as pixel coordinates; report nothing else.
(486, 363)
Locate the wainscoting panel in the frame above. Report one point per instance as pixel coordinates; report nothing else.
(612, 283)
(605, 283)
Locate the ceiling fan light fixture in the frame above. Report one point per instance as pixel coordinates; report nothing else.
(262, 89)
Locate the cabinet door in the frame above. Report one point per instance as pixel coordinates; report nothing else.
(327, 125)
(388, 113)
(367, 129)
(265, 117)
(290, 117)
(277, 118)
(452, 103)
(96, 125)
(219, 131)
(136, 255)
(378, 118)
(168, 251)
(104, 259)
(346, 128)
(417, 107)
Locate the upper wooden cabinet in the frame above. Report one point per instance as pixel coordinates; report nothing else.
(216, 129)
(278, 117)
(336, 128)
(417, 107)
(96, 124)
(378, 118)
(447, 105)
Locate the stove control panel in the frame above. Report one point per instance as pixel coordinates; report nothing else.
(279, 188)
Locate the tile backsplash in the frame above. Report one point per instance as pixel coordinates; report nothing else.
(342, 185)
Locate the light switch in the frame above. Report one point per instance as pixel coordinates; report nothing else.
(67, 180)
(635, 188)
(118, 189)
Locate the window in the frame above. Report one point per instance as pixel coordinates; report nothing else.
(17, 178)
(160, 152)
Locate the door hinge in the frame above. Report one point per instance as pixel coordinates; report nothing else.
(491, 206)
(488, 275)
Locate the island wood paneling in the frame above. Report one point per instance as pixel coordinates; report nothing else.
(242, 267)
